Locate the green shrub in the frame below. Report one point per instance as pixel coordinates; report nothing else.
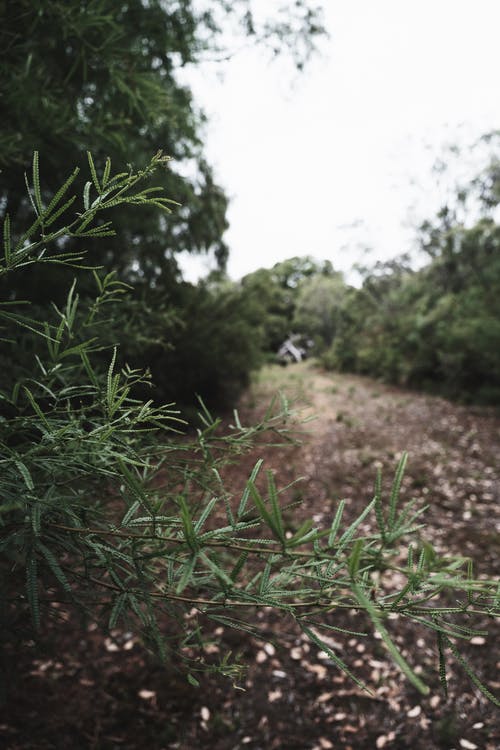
(104, 509)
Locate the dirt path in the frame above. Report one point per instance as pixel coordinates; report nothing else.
(360, 425)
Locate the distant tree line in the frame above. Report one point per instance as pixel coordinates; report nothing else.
(436, 329)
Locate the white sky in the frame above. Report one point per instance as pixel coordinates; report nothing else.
(339, 158)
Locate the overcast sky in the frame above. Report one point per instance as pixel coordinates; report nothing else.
(339, 159)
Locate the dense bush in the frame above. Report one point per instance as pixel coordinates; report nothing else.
(437, 328)
(206, 341)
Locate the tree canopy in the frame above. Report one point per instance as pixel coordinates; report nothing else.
(104, 76)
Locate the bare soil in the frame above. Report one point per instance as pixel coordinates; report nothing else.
(90, 692)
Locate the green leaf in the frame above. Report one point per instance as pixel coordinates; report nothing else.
(187, 525)
(442, 663)
(36, 512)
(336, 523)
(88, 368)
(106, 173)
(235, 624)
(59, 194)
(368, 605)
(187, 573)
(264, 581)
(275, 508)
(93, 172)
(238, 567)
(396, 488)
(246, 492)
(216, 570)
(21, 250)
(7, 244)
(55, 567)
(36, 184)
(312, 635)
(303, 534)
(118, 608)
(472, 676)
(25, 473)
(205, 514)
(108, 549)
(111, 382)
(59, 212)
(347, 536)
(37, 409)
(32, 589)
(378, 504)
(354, 558)
(269, 518)
(130, 513)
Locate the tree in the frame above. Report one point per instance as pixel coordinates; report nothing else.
(276, 291)
(104, 76)
(436, 328)
(318, 309)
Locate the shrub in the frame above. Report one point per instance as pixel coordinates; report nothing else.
(105, 509)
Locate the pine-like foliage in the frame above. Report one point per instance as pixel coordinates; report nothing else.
(104, 508)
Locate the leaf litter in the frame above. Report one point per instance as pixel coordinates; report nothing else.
(109, 693)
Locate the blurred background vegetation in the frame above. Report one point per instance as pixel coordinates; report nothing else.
(104, 77)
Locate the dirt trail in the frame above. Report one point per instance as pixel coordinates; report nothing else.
(360, 425)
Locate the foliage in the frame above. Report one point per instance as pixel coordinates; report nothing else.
(107, 76)
(209, 347)
(102, 511)
(276, 292)
(435, 329)
(110, 77)
(318, 309)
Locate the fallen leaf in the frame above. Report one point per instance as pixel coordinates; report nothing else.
(147, 695)
(413, 712)
(325, 697)
(317, 669)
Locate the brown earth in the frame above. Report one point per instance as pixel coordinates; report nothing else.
(103, 693)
